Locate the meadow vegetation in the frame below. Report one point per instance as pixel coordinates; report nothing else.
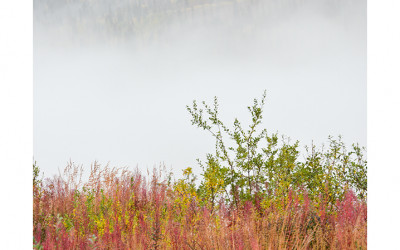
(255, 193)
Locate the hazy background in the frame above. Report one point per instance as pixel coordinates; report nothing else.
(112, 78)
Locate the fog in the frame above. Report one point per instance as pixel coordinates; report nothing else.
(112, 78)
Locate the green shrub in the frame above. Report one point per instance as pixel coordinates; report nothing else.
(250, 163)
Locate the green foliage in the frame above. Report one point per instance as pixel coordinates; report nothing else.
(186, 190)
(250, 162)
(36, 245)
(36, 173)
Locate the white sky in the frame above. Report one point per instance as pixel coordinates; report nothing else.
(126, 105)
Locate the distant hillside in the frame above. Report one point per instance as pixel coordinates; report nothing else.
(148, 19)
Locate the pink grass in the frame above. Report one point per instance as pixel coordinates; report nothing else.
(121, 210)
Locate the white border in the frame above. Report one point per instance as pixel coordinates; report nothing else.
(383, 124)
(16, 124)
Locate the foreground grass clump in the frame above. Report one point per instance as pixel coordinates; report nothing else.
(119, 209)
(255, 194)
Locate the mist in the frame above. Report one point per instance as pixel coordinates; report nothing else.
(112, 80)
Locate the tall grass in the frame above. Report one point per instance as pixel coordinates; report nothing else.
(122, 209)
